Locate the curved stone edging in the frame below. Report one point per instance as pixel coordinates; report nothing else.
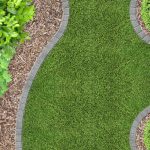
(134, 127)
(32, 74)
(133, 18)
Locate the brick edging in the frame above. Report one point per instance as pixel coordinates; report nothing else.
(134, 127)
(32, 74)
(134, 21)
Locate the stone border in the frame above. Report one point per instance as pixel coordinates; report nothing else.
(134, 21)
(34, 70)
(135, 125)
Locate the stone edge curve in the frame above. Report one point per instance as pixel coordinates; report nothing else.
(34, 70)
(138, 119)
(146, 39)
(135, 23)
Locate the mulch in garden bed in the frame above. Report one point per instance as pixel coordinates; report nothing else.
(140, 130)
(140, 133)
(139, 18)
(45, 24)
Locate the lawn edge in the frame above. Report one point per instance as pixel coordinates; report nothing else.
(135, 23)
(34, 70)
(136, 122)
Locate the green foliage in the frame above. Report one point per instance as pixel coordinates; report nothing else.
(145, 13)
(14, 14)
(147, 135)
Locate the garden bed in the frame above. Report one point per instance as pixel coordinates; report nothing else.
(138, 20)
(43, 27)
(141, 13)
(140, 133)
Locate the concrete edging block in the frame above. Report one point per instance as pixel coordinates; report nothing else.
(138, 119)
(34, 70)
(134, 21)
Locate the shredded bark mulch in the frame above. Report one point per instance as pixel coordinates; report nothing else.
(43, 27)
(140, 130)
(139, 18)
(140, 133)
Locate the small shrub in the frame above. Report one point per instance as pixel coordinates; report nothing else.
(147, 135)
(14, 14)
(145, 13)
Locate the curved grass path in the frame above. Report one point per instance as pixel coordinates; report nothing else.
(93, 84)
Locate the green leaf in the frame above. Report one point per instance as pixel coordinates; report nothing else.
(6, 76)
(14, 14)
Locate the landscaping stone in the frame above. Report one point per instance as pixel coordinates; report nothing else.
(38, 62)
(135, 142)
(137, 23)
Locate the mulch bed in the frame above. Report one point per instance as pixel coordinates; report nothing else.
(140, 133)
(45, 24)
(139, 18)
(140, 130)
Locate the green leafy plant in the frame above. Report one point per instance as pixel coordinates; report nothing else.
(14, 14)
(145, 13)
(147, 135)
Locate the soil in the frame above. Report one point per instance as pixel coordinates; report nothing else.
(43, 27)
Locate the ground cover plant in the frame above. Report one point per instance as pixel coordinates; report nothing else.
(14, 14)
(147, 135)
(145, 13)
(94, 83)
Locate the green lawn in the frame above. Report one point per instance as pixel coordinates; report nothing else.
(93, 84)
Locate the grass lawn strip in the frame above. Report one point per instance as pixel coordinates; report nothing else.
(41, 29)
(96, 80)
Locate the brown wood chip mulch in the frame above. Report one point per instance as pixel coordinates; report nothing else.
(140, 133)
(142, 24)
(45, 24)
(140, 130)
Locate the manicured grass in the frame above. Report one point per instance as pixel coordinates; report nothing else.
(93, 84)
(147, 135)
